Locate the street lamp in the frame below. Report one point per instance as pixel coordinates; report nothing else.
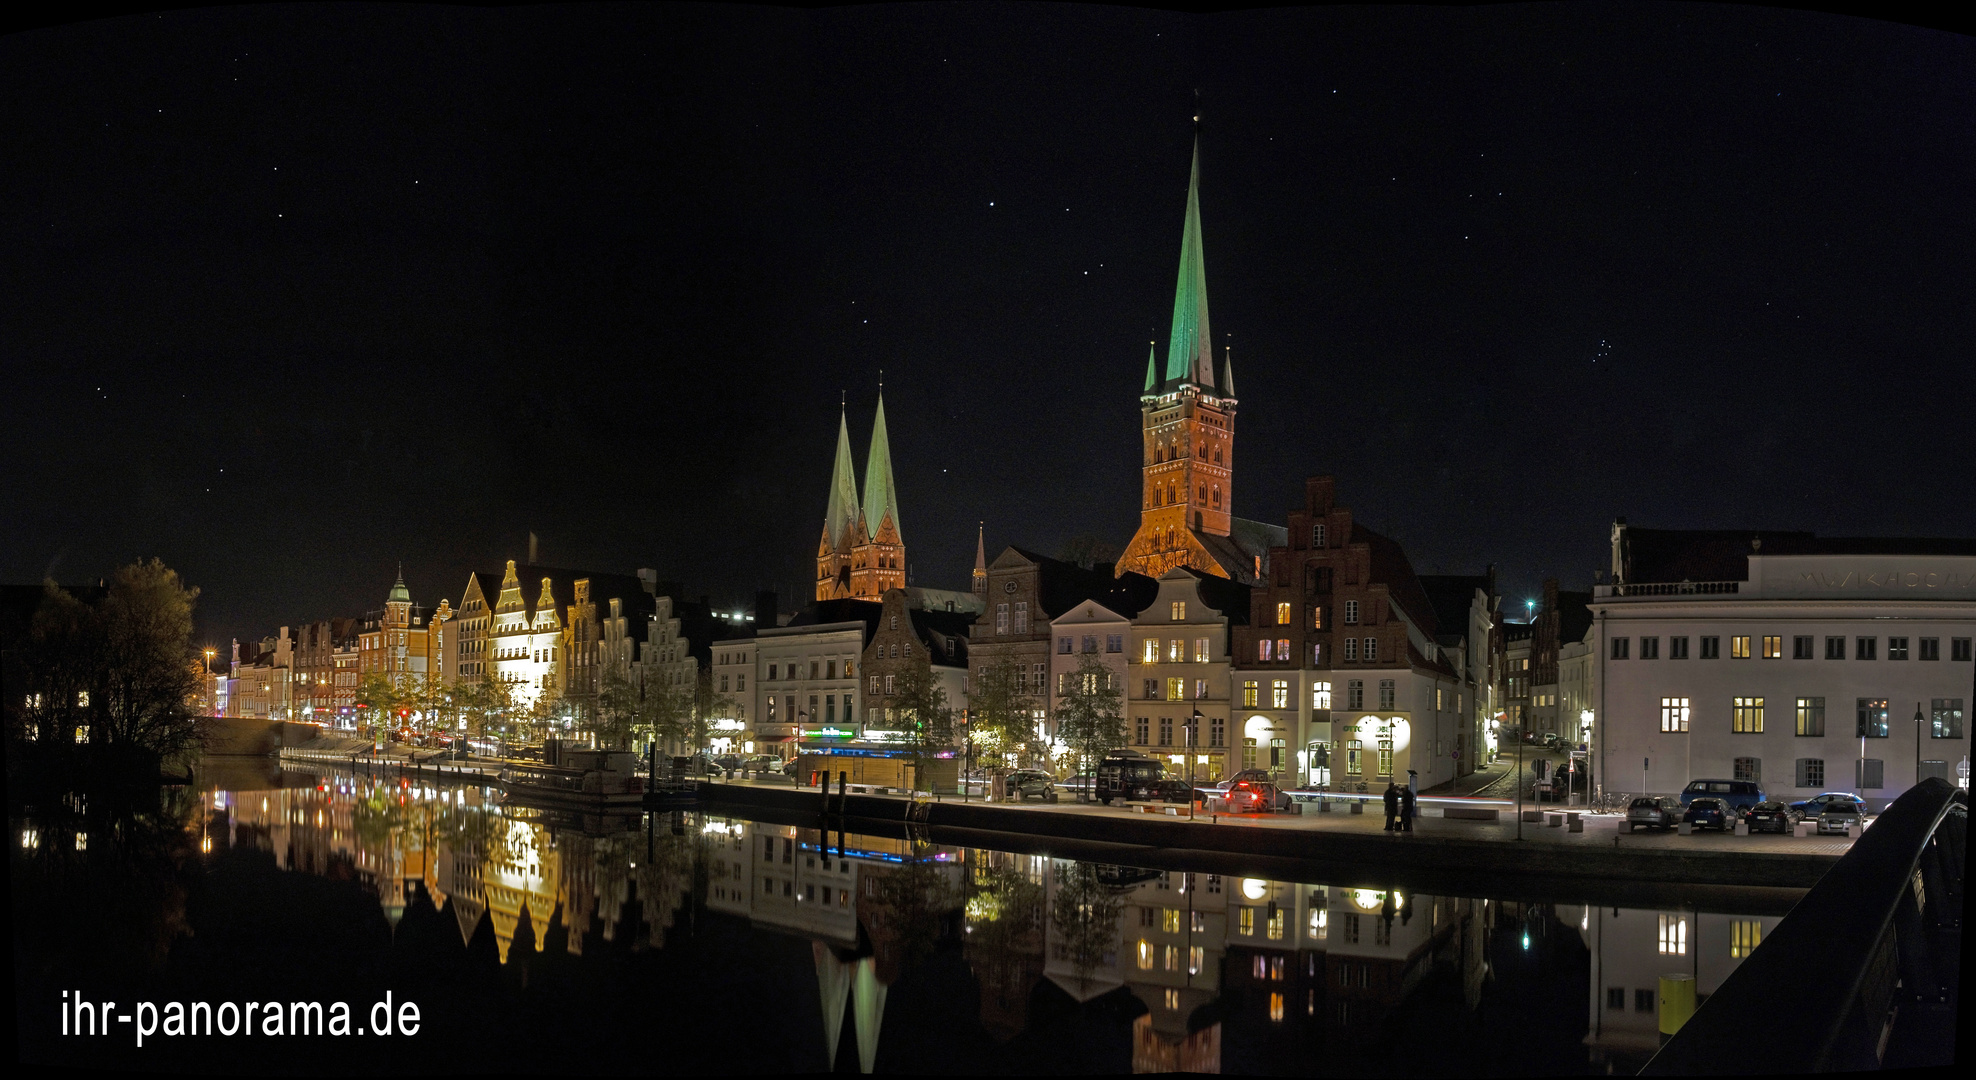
(1193, 742)
(1917, 742)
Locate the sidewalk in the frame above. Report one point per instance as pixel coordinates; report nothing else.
(1473, 782)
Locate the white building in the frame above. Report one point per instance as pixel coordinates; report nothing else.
(734, 678)
(1798, 662)
(1089, 630)
(808, 686)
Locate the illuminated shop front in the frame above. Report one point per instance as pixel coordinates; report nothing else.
(1373, 749)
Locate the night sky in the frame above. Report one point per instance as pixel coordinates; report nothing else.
(293, 294)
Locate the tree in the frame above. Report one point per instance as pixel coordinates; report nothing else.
(919, 707)
(667, 711)
(117, 675)
(1089, 552)
(379, 698)
(1088, 717)
(1001, 714)
(616, 714)
(1085, 916)
(708, 706)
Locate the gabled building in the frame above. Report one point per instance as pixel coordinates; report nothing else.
(1465, 616)
(1187, 435)
(1024, 593)
(903, 635)
(1179, 666)
(392, 641)
(1338, 652)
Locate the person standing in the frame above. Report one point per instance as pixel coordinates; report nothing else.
(1392, 804)
(1409, 806)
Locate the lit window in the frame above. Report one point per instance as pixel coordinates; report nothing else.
(1276, 1007)
(1744, 936)
(1179, 610)
(1176, 651)
(1811, 716)
(1170, 920)
(1249, 694)
(1320, 695)
(1146, 955)
(1246, 921)
(1151, 651)
(1200, 650)
(1673, 935)
(1263, 650)
(1279, 694)
(1739, 648)
(1176, 689)
(1283, 614)
(1674, 714)
(1748, 716)
(1773, 648)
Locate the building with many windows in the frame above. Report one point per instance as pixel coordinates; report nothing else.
(1179, 667)
(1339, 672)
(1802, 663)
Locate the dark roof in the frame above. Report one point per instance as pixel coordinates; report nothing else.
(821, 612)
(1664, 555)
(1574, 616)
(1061, 586)
(1450, 595)
(1391, 568)
(1131, 594)
(935, 629)
(1231, 598)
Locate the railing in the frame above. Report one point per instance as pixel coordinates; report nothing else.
(1863, 973)
(1668, 588)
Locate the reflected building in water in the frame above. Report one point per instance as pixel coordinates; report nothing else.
(1633, 948)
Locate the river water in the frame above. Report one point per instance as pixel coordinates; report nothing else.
(704, 941)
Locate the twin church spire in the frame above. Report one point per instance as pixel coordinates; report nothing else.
(862, 552)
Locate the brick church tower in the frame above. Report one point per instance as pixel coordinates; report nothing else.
(862, 552)
(1187, 424)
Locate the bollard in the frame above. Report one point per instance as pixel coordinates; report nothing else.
(1677, 1002)
(1577, 823)
(1807, 828)
(1742, 828)
(1686, 828)
(1358, 807)
(1552, 820)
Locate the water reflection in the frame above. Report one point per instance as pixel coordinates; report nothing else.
(1073, 965)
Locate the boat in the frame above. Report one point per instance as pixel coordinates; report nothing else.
(581, 779)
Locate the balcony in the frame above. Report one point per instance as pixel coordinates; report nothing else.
(1666, 588)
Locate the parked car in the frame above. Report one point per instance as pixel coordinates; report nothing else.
(1736, 795)
(1653, 811)
(1173, 791)
(1815, 805)
(1248, 791)
(1084, 784)
(763, 764)
(1032, 784)
(1771, 816)
(1838, 816)
(1128, 775)
(1551, 740)
(1709, 813)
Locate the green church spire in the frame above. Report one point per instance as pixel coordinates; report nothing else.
(1190, 354)
(1152, 371)
(881, 494)
(843, 487)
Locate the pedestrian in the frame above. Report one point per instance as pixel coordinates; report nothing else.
(1409, 807)
(1392, 803)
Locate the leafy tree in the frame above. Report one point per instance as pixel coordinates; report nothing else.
(616, 713)
(123, 667)
(1085, 916)
(379, 699)
(666, 711)
(1001, 714)
(1088, 717)
(708, 705)
(919, 707)
(1089, 552)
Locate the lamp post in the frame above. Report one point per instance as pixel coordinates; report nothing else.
(1193, 740)
(1917, 743)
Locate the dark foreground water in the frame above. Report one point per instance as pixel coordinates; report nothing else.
(695, 941)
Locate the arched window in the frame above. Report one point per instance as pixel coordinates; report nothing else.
(1203, 449)
(1217, 455)
(1201, 493)
(1217, 494)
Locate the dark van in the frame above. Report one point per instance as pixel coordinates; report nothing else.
(1737, 795)
(1128, 775)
